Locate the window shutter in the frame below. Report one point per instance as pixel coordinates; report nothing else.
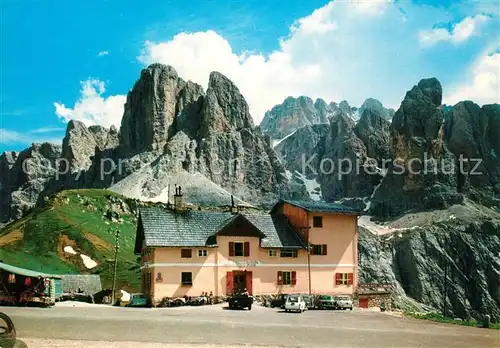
(280, 278)
(229, 283)
(350, 277)
(248, 282)
(231, 248)
(324, 249)
(246, 249)
(337, 278)
(294, 277)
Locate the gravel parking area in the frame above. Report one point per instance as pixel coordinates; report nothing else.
(216, 326)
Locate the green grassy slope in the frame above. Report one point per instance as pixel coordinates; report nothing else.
(85, 220)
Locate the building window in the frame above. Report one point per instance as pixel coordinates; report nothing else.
(318, 249)
(186, 253)
(317, 221)
(202, 253)
(239, 248)
(344, 278)
(187, 278)
(288, 253)
(287, 277)
(272, 253)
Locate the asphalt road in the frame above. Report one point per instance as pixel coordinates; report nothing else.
(214, 325)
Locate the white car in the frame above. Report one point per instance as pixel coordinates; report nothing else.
(295, 303)
(342, 302)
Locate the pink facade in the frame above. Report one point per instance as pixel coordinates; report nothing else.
(263, 270)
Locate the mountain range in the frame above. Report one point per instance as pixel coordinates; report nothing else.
(429, 208)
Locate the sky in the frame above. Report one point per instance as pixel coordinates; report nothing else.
(63, 60)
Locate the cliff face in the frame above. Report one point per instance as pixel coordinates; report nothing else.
(454, 261)
(423, 172)
(295, 113)
(473, 132)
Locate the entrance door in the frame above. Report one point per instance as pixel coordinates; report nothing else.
(363, 302)
(241, 280)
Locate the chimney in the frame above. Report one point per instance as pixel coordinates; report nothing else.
(234, 209)
(178, 204)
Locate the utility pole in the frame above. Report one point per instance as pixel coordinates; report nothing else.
(309, 259)
(117, 248)
(445, 285)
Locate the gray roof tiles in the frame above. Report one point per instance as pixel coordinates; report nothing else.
(192, 228)
(320, 207)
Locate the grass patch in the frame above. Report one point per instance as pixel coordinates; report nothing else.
(87, 217)
(441, 319)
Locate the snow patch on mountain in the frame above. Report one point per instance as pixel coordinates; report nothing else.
(312, 186)
(277, 142)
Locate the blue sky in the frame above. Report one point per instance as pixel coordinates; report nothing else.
(78, 59)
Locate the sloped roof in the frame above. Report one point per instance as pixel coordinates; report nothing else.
(164, 227)
(190, 228)
(88, 283)
(320, 207)
(278, 231)
(25, 272)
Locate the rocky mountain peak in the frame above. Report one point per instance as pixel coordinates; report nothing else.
(79, 145)
(224, 108)
(374, 106)
(432, 88)
(419, 114)
(417, 136)
(294, 113)
(373, 129)
(150, 109)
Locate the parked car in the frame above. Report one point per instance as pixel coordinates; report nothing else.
(295, 303)
(325, 302)
(279, 302)
(309, 300)
(343, 302)
(138, 300)
(240, 301)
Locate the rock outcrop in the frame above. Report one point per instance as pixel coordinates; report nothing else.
(294, 113)
(150, 109)
(296, 150)
(455, 260)
(472, 134)
(343, 167)
(373, 129)
(422, 174)
(79, 145)
(25, 177)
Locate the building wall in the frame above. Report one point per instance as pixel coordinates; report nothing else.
(208, 277)
(339, 233)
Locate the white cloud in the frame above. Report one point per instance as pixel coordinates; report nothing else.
(102, 53)
(47, 130)
(483, 83)
(10, 137)
(92, 108)
(320, 57)
(460, 32)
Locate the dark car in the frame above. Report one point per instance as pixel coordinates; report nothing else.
(279, 302)
(309, 300)
(325, 302)
(240, 301)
